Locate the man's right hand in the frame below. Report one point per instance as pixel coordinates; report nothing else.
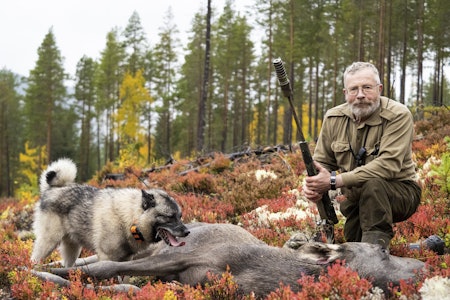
(311, 195)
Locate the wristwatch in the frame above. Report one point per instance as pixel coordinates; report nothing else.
(333, 180)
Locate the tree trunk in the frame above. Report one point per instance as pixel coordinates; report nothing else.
(361, 32)
(202, 103)
(49, 130)
(381, 33)
(316, 102)
(388, 86)
(404, 54)
(420, 52)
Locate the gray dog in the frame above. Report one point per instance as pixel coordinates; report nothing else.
(115, 223)
(256, 266)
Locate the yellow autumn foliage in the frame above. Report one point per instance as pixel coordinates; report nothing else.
(134, 96)
(32, 162)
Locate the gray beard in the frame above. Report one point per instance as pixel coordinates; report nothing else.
(361, 113)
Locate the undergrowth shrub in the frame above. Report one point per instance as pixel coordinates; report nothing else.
(194, 182)
(158, 291)
(164, 179)
(271, 223)
(435, 127)
(441, 171)
(220, 163)
(430, 135)
(243, 187)
(337, 282)
(296, 162)
(79, 290)
(222, 286)
(203, 208)
(26, 286)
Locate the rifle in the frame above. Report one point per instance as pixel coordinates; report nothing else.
(325, 207)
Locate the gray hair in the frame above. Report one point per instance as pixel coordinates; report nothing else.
(358, 66)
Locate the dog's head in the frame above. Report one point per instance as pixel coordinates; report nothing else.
(160, 219)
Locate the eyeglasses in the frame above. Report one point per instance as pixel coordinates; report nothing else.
(366, 89)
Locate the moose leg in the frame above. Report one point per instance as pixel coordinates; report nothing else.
(158, 265)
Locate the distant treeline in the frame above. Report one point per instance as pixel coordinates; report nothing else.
(139, 103)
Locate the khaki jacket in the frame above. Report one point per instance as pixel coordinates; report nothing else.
(387, 136)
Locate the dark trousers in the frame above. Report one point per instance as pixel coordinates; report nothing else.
(372, 209)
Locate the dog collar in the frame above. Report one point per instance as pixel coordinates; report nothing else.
(137, 234)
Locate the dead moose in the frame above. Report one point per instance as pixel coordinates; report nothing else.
(255, 266)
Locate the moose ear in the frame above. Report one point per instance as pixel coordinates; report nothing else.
(148, 200)
(319, 253)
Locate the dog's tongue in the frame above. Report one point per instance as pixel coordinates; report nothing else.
(169, 238)
(174, 242)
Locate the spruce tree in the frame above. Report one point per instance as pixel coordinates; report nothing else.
(135, 44)
(85, 94)
(45, 92)
(109, 77)
(166, 59)
(190, 87)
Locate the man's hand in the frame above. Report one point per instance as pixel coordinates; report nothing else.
(316, 186)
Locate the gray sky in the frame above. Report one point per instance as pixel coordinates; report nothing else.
(80, 27)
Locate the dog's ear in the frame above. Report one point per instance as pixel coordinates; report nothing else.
(148, 200)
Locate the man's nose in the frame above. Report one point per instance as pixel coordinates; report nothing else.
(360, 93)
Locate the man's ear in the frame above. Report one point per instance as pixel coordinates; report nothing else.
(380, 87)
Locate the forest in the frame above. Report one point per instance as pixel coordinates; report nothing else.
(148, 103)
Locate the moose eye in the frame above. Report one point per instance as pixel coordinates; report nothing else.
(385, 253)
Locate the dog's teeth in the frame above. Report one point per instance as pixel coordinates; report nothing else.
(163, 235)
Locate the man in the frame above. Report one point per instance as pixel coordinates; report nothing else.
(364, 148)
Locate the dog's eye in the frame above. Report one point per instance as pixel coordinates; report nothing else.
(167, 218)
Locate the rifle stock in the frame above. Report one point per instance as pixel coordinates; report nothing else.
(325, 207)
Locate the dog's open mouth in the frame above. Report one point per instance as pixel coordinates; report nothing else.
(169, 238)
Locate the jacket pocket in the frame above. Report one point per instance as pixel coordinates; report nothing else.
(342, 153)
(338, 146)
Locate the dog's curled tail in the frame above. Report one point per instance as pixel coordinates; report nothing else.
(59, 173)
